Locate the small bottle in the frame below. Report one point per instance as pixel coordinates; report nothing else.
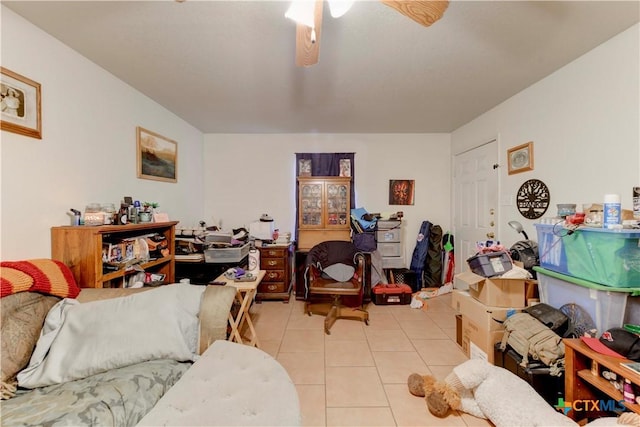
(627, 392)
(636, 203)
(612, 211)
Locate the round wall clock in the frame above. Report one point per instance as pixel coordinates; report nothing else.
(533, 199)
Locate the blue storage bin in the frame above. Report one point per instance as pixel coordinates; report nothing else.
(607, 257)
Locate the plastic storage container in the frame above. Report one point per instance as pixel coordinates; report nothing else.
(224, 255)
(607, 257)
(490, 264)
(609, 307)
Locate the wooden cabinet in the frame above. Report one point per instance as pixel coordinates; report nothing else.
(80, 248)
(591, 394)
(278, 263)
(323, 210)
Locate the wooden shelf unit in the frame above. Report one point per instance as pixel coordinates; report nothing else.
(581, 384)
(80, 248)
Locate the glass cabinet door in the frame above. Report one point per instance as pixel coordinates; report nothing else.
(310, 200)
(337, 204)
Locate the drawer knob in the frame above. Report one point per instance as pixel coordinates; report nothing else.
(273, 275)
(272, 287)
(272, 263)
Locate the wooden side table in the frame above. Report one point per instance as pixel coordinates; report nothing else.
(245, 293)
(588, 392)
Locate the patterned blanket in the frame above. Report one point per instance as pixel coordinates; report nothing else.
(46, 276)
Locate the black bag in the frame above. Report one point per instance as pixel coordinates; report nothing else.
(553, 318)
(365, 242)
(432, 275)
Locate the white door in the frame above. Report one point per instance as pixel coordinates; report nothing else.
(475, 200)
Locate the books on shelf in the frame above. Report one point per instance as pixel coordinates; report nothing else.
(634, 366)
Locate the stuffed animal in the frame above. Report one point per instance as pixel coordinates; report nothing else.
(491, 392)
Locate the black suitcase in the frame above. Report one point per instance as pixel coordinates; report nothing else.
(537, 374)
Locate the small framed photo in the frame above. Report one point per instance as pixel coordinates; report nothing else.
(157, 156)
(20, 104)
(345, 167)
(304, 167)
(401, 191)
(520, 158)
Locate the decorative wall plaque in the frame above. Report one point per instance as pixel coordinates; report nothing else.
(533, 199)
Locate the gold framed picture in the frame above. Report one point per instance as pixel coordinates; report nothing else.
(520, 158)
(157, 156)
(20, 104)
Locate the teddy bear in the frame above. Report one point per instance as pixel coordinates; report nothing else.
(491, 392)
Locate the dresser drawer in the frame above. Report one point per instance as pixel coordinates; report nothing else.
(275, 287)
(273, 252)
(272, 263)
(274, 276)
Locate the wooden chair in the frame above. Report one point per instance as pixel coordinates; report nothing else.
(330, 287)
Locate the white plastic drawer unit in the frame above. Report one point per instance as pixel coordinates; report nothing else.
(393, 235)
(389, 249)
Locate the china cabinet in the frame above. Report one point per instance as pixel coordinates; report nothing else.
(323, 210)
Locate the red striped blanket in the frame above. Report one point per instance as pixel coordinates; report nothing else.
(46, 276)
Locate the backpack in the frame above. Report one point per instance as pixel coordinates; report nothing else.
(531, 338)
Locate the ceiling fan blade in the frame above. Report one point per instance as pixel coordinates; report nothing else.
(307, 43)
(423, 12)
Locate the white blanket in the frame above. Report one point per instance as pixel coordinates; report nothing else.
(79, 340)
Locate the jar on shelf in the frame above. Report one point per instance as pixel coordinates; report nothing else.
(93, 214)
(109, 210)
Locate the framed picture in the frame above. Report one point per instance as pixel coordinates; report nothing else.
(520, 158)
(304, 167)
(401, 191)
(157, 156)
(345, 167)
(20, 104)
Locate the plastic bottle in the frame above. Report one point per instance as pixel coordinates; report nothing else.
(612, 210)
(254, 260)
(627, 392)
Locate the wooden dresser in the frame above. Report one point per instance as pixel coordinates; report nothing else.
(278, 263)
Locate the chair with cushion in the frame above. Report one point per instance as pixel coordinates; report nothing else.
(335, 279)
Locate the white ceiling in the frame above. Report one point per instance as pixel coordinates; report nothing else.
(228, 66)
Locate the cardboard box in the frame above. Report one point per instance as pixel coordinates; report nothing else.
(477, 343)
(480, 327)
(486, 317)
(495, 291)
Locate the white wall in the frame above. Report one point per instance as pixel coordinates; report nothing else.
(88, 150)
(584, 121)
(247, 175)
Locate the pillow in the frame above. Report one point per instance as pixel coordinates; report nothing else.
(44, 275)
(339, 272)
(79, 340)
(22, 316)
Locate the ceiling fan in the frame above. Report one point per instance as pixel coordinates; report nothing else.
(308, 17)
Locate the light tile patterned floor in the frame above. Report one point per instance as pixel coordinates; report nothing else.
(357, 375)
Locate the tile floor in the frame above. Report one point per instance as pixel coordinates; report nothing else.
(357, 375)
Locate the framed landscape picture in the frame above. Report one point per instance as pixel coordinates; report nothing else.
(520, 158)
(20, 104)
(157, 156)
